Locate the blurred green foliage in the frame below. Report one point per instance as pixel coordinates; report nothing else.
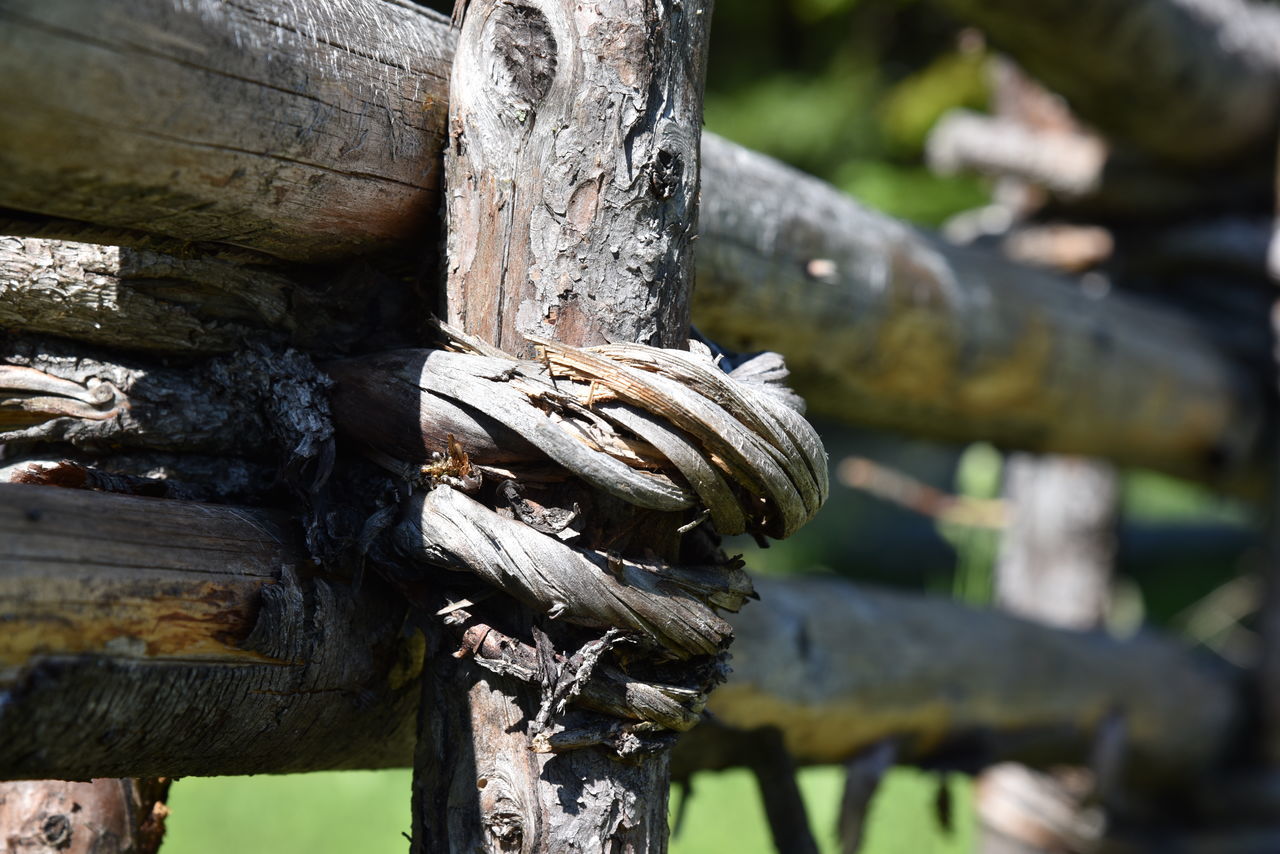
(978, 475)
(847, 90)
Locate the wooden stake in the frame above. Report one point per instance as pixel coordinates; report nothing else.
(572, 176)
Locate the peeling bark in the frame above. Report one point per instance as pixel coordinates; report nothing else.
(255, 402)
(572, 175)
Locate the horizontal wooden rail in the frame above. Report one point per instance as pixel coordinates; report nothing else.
(147, 637)
(889, 327)
(312, 132)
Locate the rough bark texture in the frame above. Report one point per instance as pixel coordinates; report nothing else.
(327, 142)
(255, 402)
(1070, 378)
(161, 638)
(572, 175)
(254, 671)
(163, 297)
(892, 329)
(96, 817)
(1210, 80)
(109, 296)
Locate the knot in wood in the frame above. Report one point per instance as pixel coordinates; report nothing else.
(526, 51)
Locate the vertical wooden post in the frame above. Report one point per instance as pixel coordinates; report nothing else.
(1055, 566)
(571, 184)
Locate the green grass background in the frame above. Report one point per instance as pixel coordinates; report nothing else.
(367, 811)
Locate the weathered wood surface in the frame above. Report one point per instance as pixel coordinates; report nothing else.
(169, 638)
(134, 299)
(196, 654)
(159, 296)
(1210, 82)
(537, 237)
(249, 403)
(325, 143)
(103, 816)
(908, 334)
(892, 329)
(571, 172)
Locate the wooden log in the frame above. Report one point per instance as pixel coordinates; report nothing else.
(325, 142)
(1210, 86)
(157, 295)
(195, 651)
(887, 327)
(129, 299)
(156, 635)
(572, 181)
(864, 653)
(1055, 565)
(900, 331)
(251, 402)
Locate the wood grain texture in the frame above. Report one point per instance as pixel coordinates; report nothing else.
(130, 299)
(572, 175)
(907, 334)
(135, 292)
(324, 140)
(98, 698)
(147, 637)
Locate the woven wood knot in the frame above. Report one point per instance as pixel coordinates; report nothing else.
(661, 429)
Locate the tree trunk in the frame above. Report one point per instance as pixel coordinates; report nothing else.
(572, 175)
